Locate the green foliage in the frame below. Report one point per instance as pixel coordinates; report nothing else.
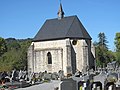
(12, 43)
(3, 47)
(16, 55)
(110, 56)
(103, 55)
(117, 42)
(102, 40)
(117, 55)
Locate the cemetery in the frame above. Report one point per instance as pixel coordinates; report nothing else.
(62, 57)
(101, 79)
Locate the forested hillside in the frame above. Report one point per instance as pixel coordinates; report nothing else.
(13, 53)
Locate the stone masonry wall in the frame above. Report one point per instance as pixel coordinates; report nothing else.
(65, 56)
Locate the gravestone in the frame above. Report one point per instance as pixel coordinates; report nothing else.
(112, 77)
(24, 74)
(96, 86)
(61, 75)
(4, 74)
(110, 85)
(14, 75)
(47, 76)
(54, 76)
(20, 74)
(78, 74)
(101, 77)
(117, 85)
(30, 76)
(68, 84)
(85, 78)
(79, 81)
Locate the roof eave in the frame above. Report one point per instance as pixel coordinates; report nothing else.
(60, 39)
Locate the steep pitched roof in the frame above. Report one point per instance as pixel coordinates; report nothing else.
(67, 27)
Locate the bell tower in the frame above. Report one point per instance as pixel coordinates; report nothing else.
(60, 12)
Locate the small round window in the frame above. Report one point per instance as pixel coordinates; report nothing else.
(74, 42)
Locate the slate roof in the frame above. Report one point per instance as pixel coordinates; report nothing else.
(67, 27)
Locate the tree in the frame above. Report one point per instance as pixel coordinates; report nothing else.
(24, 48)
(117, 42)
(101, 56)
(8, 59)
(117, 54)
(3, 47)
(101, 50)
(16, 55)
(102, 40)
(12, 43)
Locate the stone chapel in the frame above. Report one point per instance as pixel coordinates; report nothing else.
(61, 44)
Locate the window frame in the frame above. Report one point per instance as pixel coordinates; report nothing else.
(49, 58)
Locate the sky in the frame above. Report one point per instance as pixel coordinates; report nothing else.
(22, 19)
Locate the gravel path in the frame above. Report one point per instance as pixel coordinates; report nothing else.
(44, 86)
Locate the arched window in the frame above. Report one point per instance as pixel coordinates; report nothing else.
(49, 57)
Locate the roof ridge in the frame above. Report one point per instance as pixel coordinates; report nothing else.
(70, 26)
(83, 28)
(57, 18)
